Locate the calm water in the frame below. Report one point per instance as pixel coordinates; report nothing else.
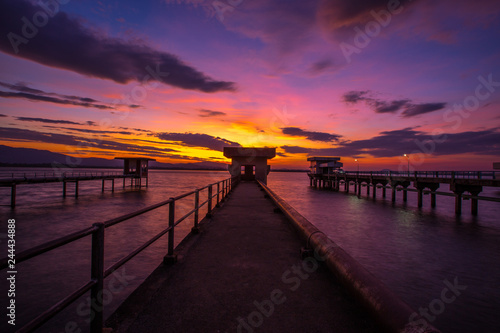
(411, 250)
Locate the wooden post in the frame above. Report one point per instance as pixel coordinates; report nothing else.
(123, 182)
(368, 189)
(97, 275)
(383, 190)
(171, 222)
(359, 189)
(209, 213)
(64, 189)
(76, 189)
(102, 186)
(13, 195)
(474, 205)
(112, 185)
(195, 228)
(393, 190)
(420, 197)
(374, 191)
(405, 194)
(218, 192)
(458, 203)
(433, 199)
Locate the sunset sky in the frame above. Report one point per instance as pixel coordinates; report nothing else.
(177, 80)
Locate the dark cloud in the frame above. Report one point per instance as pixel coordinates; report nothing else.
(65, 43)
(91, 123)
(408, 140)
(56, 100)
(408, 108)
(390, 106)
(282, 154)
(136, 129)
(209, 113)
(355, 96)
(321, 66)
(48, 121)
(84, 130)
(313, 136)
(416, 109)
(2, 115)
(198, 140)
(24, 92)
(24, 135)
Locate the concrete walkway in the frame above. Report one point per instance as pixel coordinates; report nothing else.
(242, 273)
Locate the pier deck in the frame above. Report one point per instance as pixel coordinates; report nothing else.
(245, 258)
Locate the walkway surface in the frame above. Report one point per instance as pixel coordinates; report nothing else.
(242, 273)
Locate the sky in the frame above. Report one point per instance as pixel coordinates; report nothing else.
(178, 80)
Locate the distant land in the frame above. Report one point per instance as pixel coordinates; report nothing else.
(28, 157)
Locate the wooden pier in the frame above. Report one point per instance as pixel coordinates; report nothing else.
(424, 182)
(252, 264)
(135, 169)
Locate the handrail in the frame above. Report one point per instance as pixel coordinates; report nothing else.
(483, 175)
(395, 314)
(98, 273)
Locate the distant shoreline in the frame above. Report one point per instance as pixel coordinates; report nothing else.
(48, 165)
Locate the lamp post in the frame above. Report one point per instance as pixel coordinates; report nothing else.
(408, 157)
(356, 160)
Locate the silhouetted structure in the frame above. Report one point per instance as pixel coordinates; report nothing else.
(251, 159)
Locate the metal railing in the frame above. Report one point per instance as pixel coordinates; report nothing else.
(65, 174)
(98, 273)
(421, 174)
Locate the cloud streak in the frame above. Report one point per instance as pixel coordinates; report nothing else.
(204, 113)
(198, 140)
(65, 43)
(396, 143)
(24, 92)
(407, 106)
(313, 136)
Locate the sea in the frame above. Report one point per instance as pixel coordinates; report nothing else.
(445, 267)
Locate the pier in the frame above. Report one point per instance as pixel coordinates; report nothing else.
(251, 263)
(424, 182)
(135, 169)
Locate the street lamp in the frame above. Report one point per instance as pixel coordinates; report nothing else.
(408, 157)
(356, 160)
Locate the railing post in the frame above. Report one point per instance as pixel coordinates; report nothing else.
(209, 212)
(195, 228)
(171, 258)
(97, 275)
(218, 193)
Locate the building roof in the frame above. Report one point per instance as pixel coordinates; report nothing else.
(135, 158)
(324, 158)
(231, 152)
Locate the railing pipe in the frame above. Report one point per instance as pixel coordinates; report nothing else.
(171, 222)
(97, 276)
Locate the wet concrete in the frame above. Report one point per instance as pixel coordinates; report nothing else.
(242, 273)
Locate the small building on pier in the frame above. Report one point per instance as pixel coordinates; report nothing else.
(324, 165)
(137, 167)
(253, 161)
